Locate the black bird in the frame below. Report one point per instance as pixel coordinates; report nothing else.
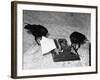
(77, 39)
(37, 31)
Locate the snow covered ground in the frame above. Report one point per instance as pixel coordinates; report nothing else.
(59, 25)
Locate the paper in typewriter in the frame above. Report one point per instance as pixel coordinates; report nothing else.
(47, 45)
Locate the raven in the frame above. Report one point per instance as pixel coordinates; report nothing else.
(37, 31)
(77, 39)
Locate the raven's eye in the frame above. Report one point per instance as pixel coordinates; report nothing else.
(28, 31)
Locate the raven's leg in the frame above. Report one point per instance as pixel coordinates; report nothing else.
(78, 46)
(74, 47)
(37, 41)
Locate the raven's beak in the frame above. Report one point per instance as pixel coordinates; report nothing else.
(48, 34)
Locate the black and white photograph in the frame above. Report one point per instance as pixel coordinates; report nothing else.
(54, 39)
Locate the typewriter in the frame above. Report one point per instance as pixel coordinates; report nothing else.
(63, 51)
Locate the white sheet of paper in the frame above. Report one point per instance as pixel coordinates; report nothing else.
(47, 45)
